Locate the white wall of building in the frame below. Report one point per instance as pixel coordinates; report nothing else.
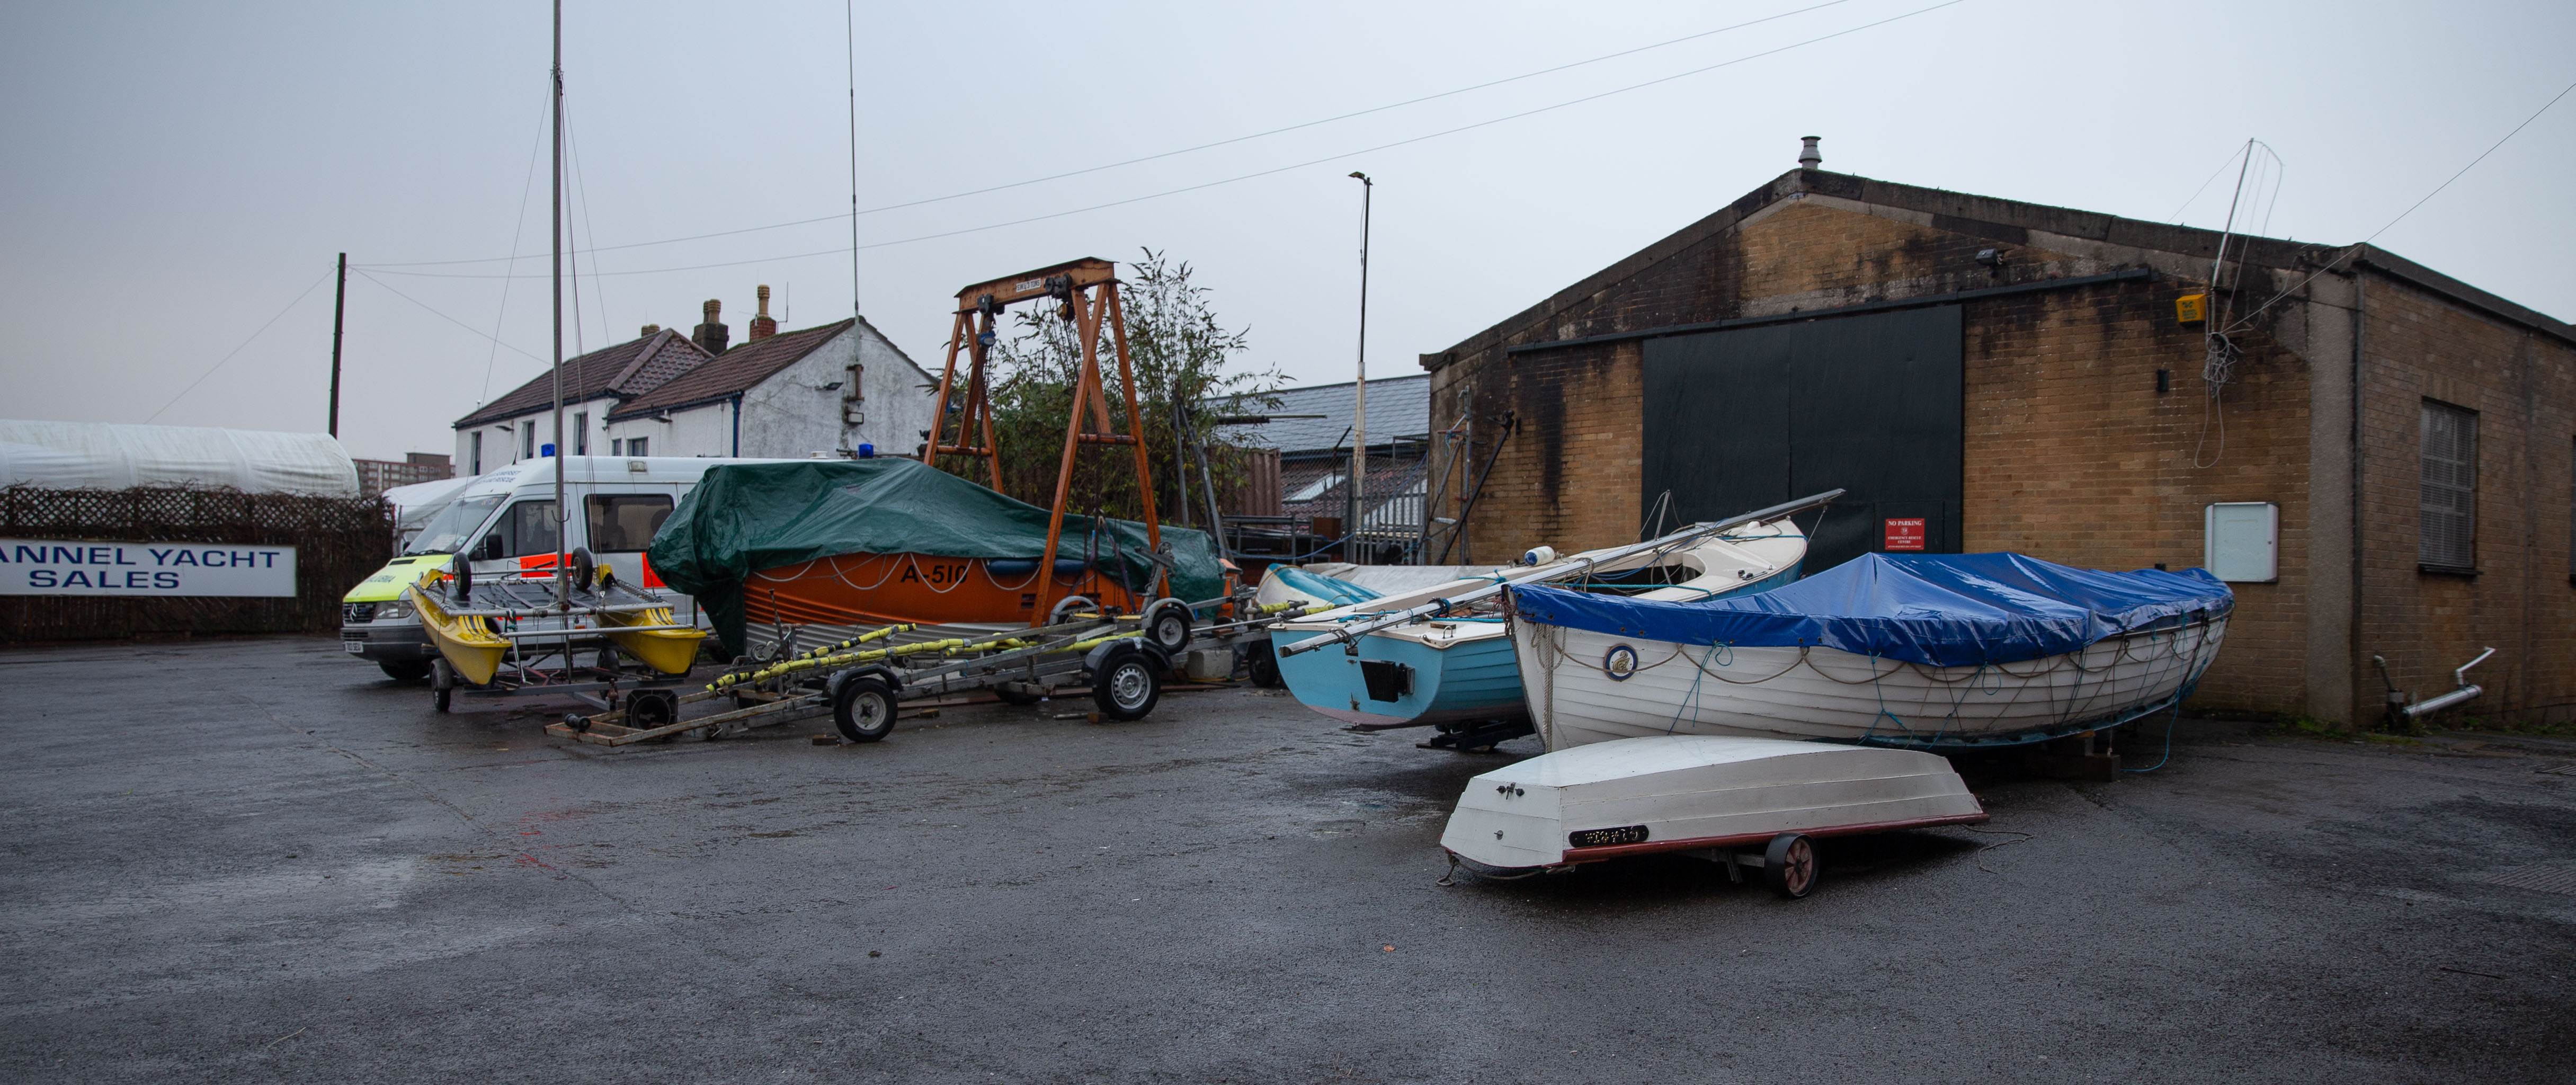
(792, 415)
(501, 439)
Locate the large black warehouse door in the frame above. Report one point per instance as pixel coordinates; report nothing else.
(1738, 420)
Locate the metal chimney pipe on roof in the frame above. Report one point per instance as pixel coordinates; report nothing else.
(1810, 158)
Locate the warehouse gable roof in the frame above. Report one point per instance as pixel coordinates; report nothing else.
(2010, 222)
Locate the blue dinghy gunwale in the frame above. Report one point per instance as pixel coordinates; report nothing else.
(1472, 673)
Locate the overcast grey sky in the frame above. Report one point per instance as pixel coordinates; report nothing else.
(178, 173)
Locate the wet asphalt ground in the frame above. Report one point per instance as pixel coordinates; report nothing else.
(256, 860)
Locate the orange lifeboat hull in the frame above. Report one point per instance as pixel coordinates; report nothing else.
(860, 591)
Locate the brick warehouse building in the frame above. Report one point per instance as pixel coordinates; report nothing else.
(2018, 377)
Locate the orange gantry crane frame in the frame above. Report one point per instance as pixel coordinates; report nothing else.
(1086, 292)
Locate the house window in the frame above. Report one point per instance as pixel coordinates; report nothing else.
(528, 440)
(474, 450)
(616, 446)
(581, 435)
(2446, 531)
(635, 447)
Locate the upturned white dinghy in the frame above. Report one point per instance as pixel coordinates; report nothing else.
(1931, 651)
(1743, 801)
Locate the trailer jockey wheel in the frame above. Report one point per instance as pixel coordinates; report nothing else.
(1067, 607)
(1789, 865)
(863, 709)
(650, 708)
(442, 683)
(1127, 685)
(1167, 623)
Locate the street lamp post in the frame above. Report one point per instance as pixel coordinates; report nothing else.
(1359, 419)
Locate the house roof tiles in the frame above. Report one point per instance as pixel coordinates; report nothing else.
(631, 368)
(734, 371)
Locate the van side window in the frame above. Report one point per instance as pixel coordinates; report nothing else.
(622, 522)
(528, 528)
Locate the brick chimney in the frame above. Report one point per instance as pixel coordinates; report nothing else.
(649, 329)
(712, 334)
(761, 326)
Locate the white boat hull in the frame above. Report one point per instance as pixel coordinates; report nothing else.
(1684, 793)
(1577, 694)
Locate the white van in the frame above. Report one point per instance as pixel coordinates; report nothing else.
(505, 522)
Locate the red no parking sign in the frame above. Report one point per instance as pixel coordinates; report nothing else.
(1906, 534)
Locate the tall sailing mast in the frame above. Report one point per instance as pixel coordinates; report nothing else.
(554, 198)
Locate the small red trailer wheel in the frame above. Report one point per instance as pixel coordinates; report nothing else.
(1789, 865)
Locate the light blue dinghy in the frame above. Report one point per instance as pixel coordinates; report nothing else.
(1455, 664)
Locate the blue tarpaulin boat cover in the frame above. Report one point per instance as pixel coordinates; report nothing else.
(1943, 610)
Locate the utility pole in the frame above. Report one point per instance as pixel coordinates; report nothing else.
(1359, 420)
(339, 306)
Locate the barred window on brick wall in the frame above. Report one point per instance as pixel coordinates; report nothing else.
(2446, 534)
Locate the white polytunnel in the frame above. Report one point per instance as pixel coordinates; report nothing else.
(108, 456)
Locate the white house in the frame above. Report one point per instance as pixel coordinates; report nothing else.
(829, 389)
(519, 424)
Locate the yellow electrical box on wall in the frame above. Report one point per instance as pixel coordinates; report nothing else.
(2191, 308)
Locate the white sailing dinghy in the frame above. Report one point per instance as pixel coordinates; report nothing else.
(1442, 654)
(1929, 651)
(1707, 795)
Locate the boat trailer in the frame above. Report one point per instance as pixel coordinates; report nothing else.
(1122, 660)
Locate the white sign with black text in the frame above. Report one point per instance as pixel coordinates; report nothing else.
(64, 567)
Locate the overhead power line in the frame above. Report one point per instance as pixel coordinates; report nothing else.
(1221, 181)
(2410, 209)
(245, 345)
(1157, 156)
(424, 307)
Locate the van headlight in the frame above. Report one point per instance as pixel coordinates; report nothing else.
(398, 610)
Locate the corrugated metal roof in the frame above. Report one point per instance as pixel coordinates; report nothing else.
(1398, 407)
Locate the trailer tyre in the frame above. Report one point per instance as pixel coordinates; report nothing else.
(863, 709)
(442, 683)
(1167, 623)
(1263, 664)
(1127, 685)
(650, 708)
(1789, 865)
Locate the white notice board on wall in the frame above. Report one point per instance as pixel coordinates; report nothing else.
(2242, 541)
(90, 567)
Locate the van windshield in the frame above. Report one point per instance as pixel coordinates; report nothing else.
(453, 524)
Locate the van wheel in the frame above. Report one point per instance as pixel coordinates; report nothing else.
(404, 670)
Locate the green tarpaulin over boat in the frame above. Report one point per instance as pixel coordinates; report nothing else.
(743, 518)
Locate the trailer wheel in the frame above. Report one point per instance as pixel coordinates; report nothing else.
(442, 683)
(1127, 686)
(863, 709)
(404, 670)
(1263, 664)
(1789, 865)
(650, 708)
(1167, 623)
